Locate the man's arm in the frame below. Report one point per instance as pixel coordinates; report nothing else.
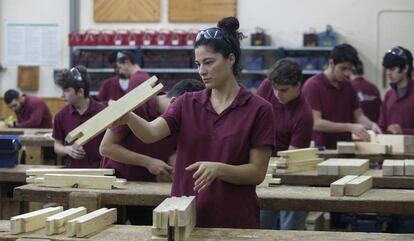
(111, 148)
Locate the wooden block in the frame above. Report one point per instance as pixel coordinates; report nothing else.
(91, 222)
(398, 168)
(409, 167)
(75, 171)
(98, 123)
(33, 220)
(298, 154)
(398, 142)
(160, 214)
(57, 222)
(388, 168)
(79, 181)
(28, 77)
(358, 186)
(373, 148)
(346, 147)
(90, 200)
(338, 187)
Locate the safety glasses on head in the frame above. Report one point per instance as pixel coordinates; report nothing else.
(76, 75)
(212, 33)
(398, 51)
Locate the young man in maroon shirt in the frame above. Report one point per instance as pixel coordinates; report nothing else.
(397, 116)
(31, 111)
(129, 75)
(136, 161)
(335, 107)
(293, 127)
(79, 108)
(368, 95)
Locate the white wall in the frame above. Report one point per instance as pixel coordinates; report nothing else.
(285, 21)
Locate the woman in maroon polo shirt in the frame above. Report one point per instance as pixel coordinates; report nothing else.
(225, 135)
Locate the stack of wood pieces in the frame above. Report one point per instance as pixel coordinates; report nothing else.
(174, 219)
(379, 144)
(351, 185)
(269, 180)
(74, 221)
(298, 160)
(398, 168)
(74, 178)
(343, 166)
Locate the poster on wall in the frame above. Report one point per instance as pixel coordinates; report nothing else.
(33, 44)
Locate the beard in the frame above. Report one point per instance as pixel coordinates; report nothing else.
(122, 76)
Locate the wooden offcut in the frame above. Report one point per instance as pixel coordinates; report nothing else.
(77, 171)
(388, 168)
(346, 147)
(409, 168)
(200, 11)
(296, 160)
(98, 123)
(126, 11)
(338, 187)
(56, 223)
(80, 181)
(358, 186)
(91, 222)
(28, 77)
(174, 218)
(343, 166)
(33, 220)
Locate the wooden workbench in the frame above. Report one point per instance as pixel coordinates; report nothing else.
(136, 233)
(372, 157)
(396, 201)
(312, 179)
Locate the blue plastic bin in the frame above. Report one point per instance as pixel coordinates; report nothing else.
(9, 151)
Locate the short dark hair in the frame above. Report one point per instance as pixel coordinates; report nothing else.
(344, 53)
(358, 69)
(224, 39)
(285, 72)
(112, 57)
(10, 95)
(67, 79)
(185, 85)
(123, 56)
(398, 57)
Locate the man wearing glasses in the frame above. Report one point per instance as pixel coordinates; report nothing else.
(31, 111)
(79, 108)
(397, 116)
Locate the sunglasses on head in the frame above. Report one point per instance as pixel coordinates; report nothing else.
(77, 76)
(398, 52)
(212, 33)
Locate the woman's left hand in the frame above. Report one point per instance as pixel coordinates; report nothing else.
(205, 173)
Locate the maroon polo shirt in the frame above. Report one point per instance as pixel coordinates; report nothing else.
(369, 98)
(160, 150)
(68, 119)
(335, 104)
(399, 110)
(293, 120)
(34, 113)
(228, 137)
(136, 79)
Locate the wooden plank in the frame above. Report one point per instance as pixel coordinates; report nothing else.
(399, 143)
(373, 148)
(298, 154)
(338, 187)
(200, 11)
(79, 181)
(94, 221)
(98, 123)
(398, 167)
(56, 223)
(80, 171)
(343, 166)
(33, 220)
(358, 186)
(388, 168)
(127, 11)
(409, 167)
(28, 77)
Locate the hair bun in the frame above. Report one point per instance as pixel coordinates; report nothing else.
(229, 24)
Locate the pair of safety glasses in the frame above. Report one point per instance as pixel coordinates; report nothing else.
(76, 75)
(212, 33)
(398, 52)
